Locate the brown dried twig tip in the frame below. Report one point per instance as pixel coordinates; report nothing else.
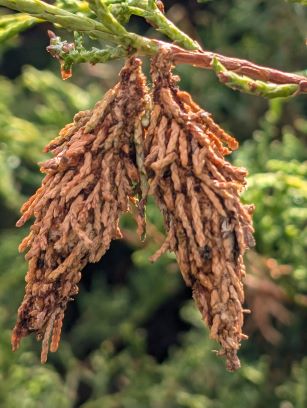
(87, 186)
(198, 192)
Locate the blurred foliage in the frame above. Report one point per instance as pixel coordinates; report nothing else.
(278, 187)
(12, 24)
(133, 338)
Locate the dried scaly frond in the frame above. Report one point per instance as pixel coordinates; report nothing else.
(88, 184)
(198, 193)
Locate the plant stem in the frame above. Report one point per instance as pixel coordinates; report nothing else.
(204, 59)
(111, 30)
(107, 19)
(74, 53)
(158, 20)
(245, 84)
(83, 24)
(70, 21)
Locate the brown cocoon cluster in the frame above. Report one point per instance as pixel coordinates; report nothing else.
(88, 184)
(198, 193)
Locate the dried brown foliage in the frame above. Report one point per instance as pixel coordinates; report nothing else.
(198, 193)
(102, 162)
(88, 184)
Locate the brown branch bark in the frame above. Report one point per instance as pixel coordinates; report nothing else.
(203, 59)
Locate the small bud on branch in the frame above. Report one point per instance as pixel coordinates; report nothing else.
(69, 53)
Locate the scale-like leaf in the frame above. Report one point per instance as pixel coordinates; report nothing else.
(13, 24)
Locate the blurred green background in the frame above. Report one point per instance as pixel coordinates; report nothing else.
(133, 338)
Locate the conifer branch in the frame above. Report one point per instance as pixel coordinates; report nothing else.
(112, 14)
(81, 23)
(245, 84)
(154, 15)
(204, 59)
(69, 54)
